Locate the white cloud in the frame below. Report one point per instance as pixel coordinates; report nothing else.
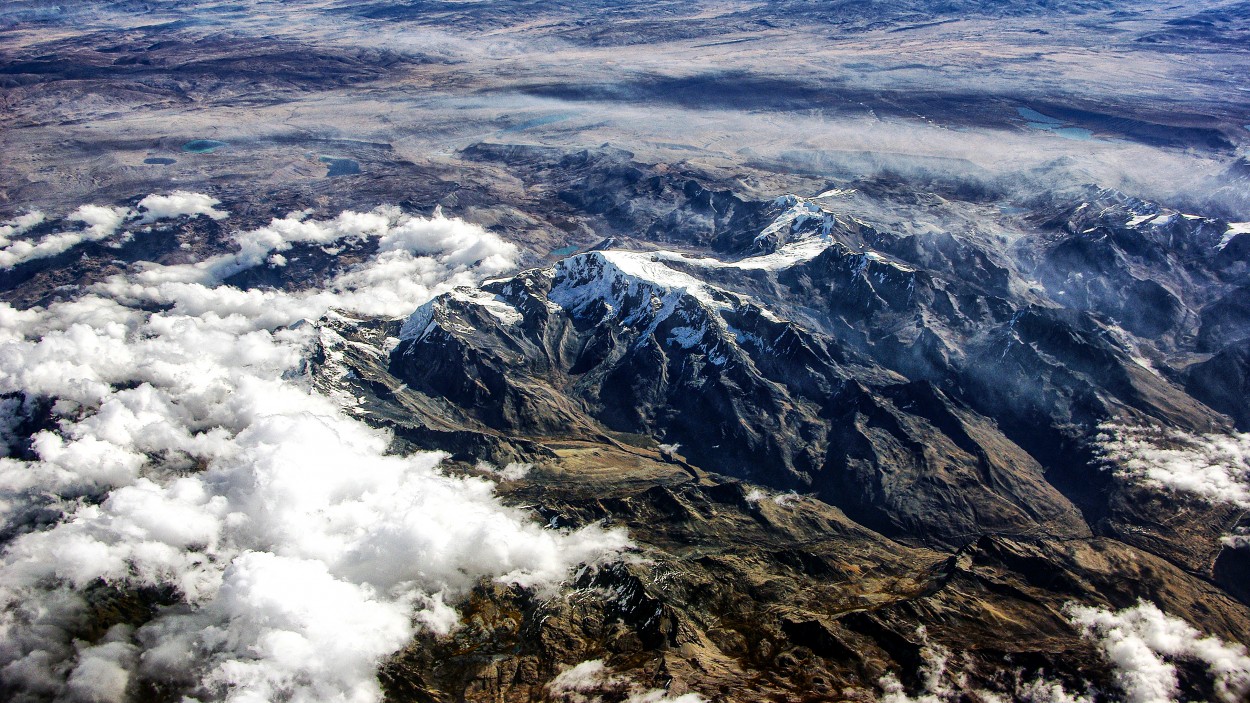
(177, 204)
(584, 682)
(657, 695)
(1142, 642)
(514, 471)
(418, 258)
(102, 673)
(939, 684)
(19, 225)
(102, 223)
(755, 495)
(1240, 539)
(187, 455)
(578, 682)
(1213, 467)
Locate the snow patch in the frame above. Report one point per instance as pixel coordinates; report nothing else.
(837, 193)
(501, 309)
(1234, 229)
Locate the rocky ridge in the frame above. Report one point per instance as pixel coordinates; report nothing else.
(830, 390)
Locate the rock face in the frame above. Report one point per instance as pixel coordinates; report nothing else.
(620, 341)
(1223, 382)
(745, 593)
(817, 363)
(842, 450)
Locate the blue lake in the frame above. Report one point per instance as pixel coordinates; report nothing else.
(203, 146)
(1035, 116)
(564, 251)
(340, 167)
(1054, 125)
(160, 161)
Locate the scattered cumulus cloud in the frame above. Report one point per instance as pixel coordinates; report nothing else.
(590, 681)
(101, 222)
(755, 495)
(179, 450)
(1142, 643)
(579, 683)
(19, 225)
(514, 471)
(178, 204)
(1213, 467)
(417, 259)
(1239, 539)
(941, 683)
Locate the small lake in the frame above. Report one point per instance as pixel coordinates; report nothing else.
(159, 161)
(1034, 116)
(564, 251)
(1054, 125)
(203, 146)
(340, 167)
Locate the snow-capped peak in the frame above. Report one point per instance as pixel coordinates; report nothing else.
(799, 219)
(422, 320)
(615, 277)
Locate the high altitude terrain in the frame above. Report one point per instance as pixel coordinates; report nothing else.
(812, 351)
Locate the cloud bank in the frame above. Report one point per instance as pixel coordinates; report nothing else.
(180, 453)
